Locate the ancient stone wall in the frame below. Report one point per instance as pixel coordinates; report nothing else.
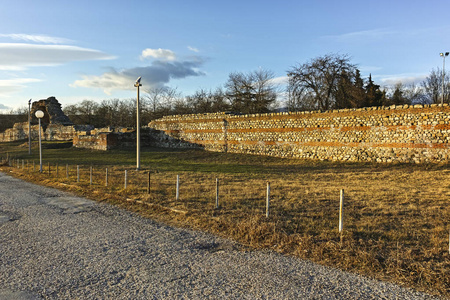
(53, 132)
(101, 139)
(419, 133)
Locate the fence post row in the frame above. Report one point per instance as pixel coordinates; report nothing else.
(11, 161)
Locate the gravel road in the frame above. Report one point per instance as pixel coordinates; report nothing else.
(54, 245)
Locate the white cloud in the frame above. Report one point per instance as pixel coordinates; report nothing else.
(405, 79)
(16, 56)
(158, 73)
(282, 80)
(364, 34)
(45, 39)
(4, 107)
(369, 69)
(193, 49)
(11, 86)
(160, 54)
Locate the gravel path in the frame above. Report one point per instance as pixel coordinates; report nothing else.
(54, 245)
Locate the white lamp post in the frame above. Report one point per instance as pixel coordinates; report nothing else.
(29, 127)
(40, 114)
(138, 127)
(443, 55)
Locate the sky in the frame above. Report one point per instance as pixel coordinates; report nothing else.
(95, 50)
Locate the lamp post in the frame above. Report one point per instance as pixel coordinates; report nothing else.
(40, 114)
(443, 55)
(29, 127)
(138, 127)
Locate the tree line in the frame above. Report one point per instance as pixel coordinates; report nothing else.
(326, 82)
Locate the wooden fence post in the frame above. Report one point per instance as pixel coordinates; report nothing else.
(67, 171)
(341, 214)
(268, 199)
(125, 179)
(106, 178)
(217, 193)
(78, 173)
(178, 188)
(148, 183)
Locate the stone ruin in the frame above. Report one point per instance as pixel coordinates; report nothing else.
(55, 124)
(53, 113)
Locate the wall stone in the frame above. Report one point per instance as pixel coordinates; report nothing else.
(419, 133)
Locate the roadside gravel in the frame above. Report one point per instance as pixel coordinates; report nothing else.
(54, 245)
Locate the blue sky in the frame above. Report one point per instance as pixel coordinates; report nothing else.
(95, 50)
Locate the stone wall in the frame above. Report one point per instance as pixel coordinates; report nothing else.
(419, 133)
(107, 139)
(53, 132)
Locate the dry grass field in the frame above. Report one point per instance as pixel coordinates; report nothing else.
(396, 217)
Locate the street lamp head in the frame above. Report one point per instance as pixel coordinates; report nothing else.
(138, 82)
(444, 54)
(39, 114)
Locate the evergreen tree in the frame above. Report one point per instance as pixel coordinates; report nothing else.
(350, 91)
(373, 94)
(398, 97)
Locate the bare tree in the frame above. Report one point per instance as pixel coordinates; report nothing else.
(159, 101)
(83, 112)
(415, 94)
(318, 79)
(433, 86)
(253, 92)
(203, 101)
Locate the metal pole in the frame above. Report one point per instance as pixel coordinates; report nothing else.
(443, 54)
(40, 146)
(443, 79)
(29, 127)
(138, 132)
